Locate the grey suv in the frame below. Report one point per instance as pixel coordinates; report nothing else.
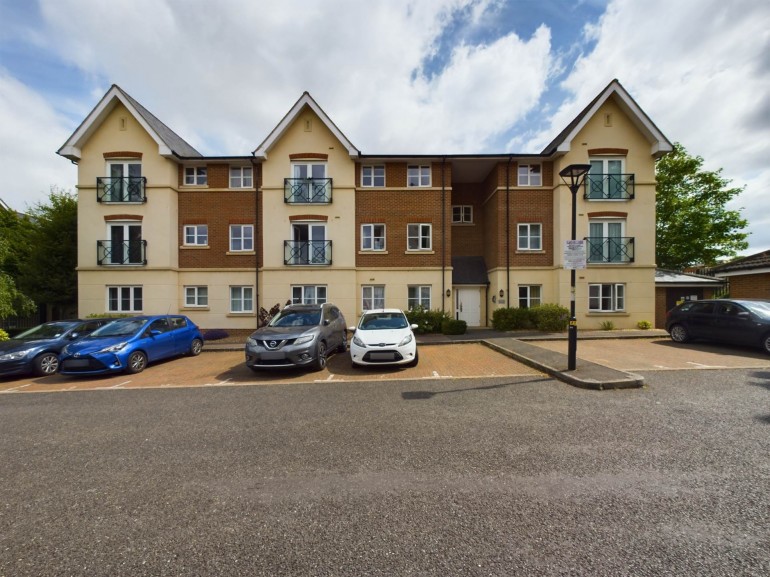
(298, 336)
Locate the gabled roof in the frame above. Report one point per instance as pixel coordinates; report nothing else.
(169, 143)
(660, 145)
(665, 277)
(304, 100)
(760, 260)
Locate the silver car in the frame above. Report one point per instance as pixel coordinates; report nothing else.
(298, 336)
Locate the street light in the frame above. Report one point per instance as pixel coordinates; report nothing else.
(573, 176)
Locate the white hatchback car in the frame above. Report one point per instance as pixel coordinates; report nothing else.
(383, 337)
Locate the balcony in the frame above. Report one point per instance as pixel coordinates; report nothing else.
(121, 189)
(307, 190)
(121, 253)
(307, 252)
(610, 249)
(609, 187)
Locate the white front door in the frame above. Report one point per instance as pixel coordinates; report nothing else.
(468, 306)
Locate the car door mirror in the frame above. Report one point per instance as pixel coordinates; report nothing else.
(154, 333)
(326, 322)
(743, 314)
(414, 327)
(352, 329)
(74, 336)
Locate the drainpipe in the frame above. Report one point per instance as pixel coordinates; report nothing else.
(443, 235)
(257, 231)
(508, 230)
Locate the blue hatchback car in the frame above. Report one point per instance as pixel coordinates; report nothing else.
(128, 345)
(37, 350)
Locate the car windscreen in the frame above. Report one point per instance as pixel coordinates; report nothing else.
(296, 319)
(761, 309)
(45, 331)
(119, 328)
(383, 321)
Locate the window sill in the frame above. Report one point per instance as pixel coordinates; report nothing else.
(463, 224)
(244, 314)
(189, 308)
(611, 313)
(240, 253)
(525, 251)
(425, 251)
(372, 252)
(194, 247)
(193, 186)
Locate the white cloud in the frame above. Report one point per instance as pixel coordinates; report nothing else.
(30, 134)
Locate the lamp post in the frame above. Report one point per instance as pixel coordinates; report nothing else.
(573, 176)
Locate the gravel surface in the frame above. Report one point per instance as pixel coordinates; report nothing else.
(523, 476)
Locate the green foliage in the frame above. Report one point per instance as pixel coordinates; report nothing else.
(109, 316)
(607, 326)
(427, 321)
(12, 301)
(3, 336)
(454, 327)
(644, 325)
(693, 225)
(551, 318)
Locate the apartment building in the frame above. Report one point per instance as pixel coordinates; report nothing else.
(308, 217)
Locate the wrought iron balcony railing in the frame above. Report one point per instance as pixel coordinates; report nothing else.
(121, 189)
(610, 249)
(609, 187)
(307, 190)
(307, 252)
(121, 253)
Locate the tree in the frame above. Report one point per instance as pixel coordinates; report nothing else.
(12, 301)
(693, 224)
(48, 273)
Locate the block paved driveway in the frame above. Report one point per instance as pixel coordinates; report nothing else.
(227, 368)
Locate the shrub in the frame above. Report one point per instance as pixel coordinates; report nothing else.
(109, 316)
(644, 325)
(427, 321)
(607, 326)
(3, 335)
(215, 334)
(551, 318)
(454, 327)
(511, 319)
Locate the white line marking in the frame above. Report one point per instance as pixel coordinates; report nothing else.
(119, 385)
(14, 389)
(435, 374)
(702, 366)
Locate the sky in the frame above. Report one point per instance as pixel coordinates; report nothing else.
(396, 76)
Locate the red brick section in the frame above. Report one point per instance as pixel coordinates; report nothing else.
(218, 175)
(309, 156)
(218, 209)
(468, 239)
(756, 286)
(618, 151)
(396, 209)
(123, 154)
(124, 217)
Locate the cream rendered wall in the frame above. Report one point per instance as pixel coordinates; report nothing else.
(276, 278)
(397, 282)
(546, 277)
(639, 276)
(217, 314)
(120, 131)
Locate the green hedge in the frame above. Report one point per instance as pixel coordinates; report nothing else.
(454, 327)
(427, 321)
(549, 318)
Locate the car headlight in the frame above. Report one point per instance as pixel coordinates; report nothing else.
(113, 348)
(13, 356)
(406, 340)
(358, 342)
(304, 339)
(251, 342)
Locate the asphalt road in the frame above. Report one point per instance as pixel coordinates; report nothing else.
(507, 476)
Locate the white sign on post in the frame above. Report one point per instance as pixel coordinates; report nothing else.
(574, 254)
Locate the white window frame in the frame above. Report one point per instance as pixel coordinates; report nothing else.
(606, 297)
(198, 233)
(309, 294)
(375, 177)
(423, 233)
(195, 176)
(418, 175)
(135, 296)
(422, 296)
(527, 296)
(530, 174)
(376, 243)
(241, 299)
(196, 296)
(247, 242)
(605, 225)
(526, 238)
(372, 297)
(464, 214)
(241, 177)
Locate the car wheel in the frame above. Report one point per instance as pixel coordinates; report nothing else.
(320, 360)
(344, 344)
(679, 334)
(45, 364)
(766, 343)
(196, 347)
(415, 360)
(137, 361)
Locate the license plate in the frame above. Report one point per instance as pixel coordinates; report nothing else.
(272, 355)
(382, 356)
(77, 363)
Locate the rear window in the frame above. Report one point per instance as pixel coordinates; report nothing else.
(702, 308)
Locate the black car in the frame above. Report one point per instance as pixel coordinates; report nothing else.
(298, 336)
(733, 321)
(37, 350)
